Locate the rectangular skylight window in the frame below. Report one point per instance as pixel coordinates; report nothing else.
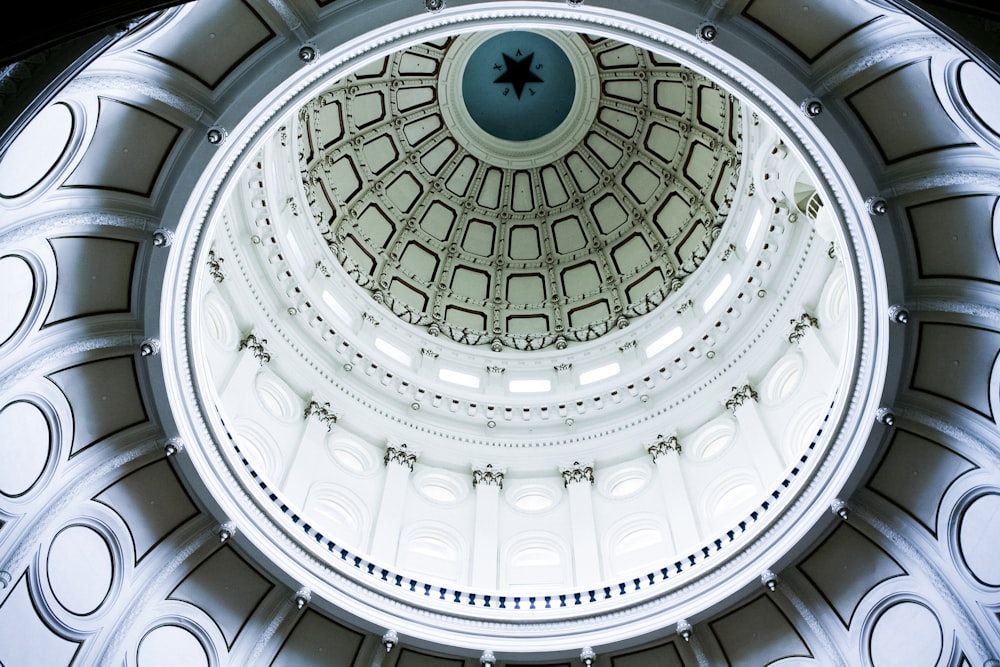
(455, 377)
(337, 309)
(758, 218)
(599, 373)
(392, 351)
(717, 293)
(528, 386)
(663, 342)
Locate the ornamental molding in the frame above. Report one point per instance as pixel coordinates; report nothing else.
(321, 411)
(578, 472)
(800, 325)
(740, 396)
(399, 455)
(664, 445)
(487, 476)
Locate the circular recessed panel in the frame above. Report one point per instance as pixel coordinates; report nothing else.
(80, 569)
(907, 633)
(712, 439)
(981, 91)
(170, 645)
(24, 448)
(36, 151)
(624, 481)
(17, 291)
(981, 521)
(531, 498)
(440, 487)
(518, 85)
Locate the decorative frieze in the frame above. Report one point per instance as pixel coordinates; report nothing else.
(577, 473)
(400, 455)
(323, 412)
(488, 476)
(256, 347)
(799, 326)
(740, 396)
(663, 445)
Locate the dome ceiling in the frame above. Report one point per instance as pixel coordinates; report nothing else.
(206, 415)
(521, 243)
(714, 401)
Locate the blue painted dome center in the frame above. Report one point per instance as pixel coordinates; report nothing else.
(518, 86)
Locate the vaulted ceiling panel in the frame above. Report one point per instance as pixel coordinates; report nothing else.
(151, 502)
(916, 473)
(956, 362)
(94, 277)
(758, 633)
(411, 658)
(952, 238)
(104, 396)
(128, 150)
(664, 655)
(227, 33)
(810, 27)
(900, 127)
(316, 640)
(25, 639)
(845, 567)
(227, 588)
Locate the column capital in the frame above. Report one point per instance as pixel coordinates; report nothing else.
(741, 395)
(257, 348)
(321, 411)
(400, 455)
(663, 445)
(799, 326)
(578, 472)
(487, 476)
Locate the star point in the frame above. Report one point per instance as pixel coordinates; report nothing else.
(518, 73)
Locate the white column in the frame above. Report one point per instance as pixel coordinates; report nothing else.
(488, 483)
(816, 353)
(385, 541)
(753, 433)
(300, 471)
(241, 378)
(578, 480)
(666, 455)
